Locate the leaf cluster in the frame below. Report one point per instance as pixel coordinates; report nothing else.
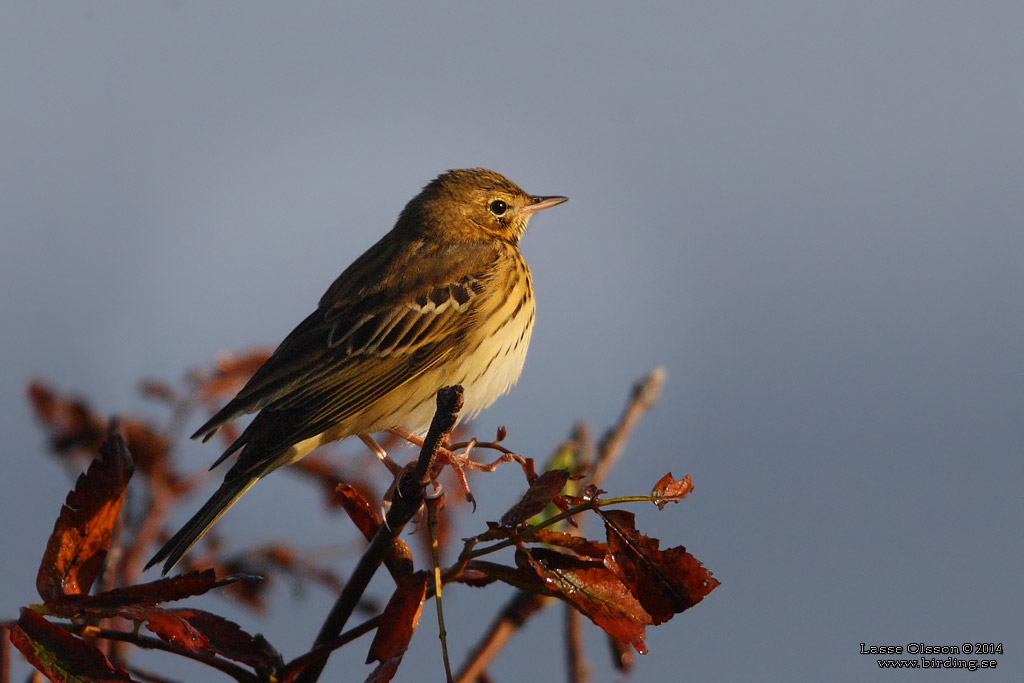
(96, 610)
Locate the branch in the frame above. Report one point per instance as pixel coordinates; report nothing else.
(410, 493)
(579, 672)
(520, 608)
(321, 652)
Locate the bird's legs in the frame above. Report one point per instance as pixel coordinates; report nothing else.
(460, 461)
(381, 454)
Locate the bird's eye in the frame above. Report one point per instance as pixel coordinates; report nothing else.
(497, 207)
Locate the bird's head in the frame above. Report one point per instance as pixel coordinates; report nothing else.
(474, 203)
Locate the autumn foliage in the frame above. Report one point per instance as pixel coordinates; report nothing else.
(96, 610)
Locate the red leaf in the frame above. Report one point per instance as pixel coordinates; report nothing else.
(473, 577)
(330, 475)
(228, 434)
(152, 593)
(399, 619)
(82, 533)
(669, 490)
(169, 626)
(59, 655)
(578, 544)
(541, 492)
(158, 390)
(231, 641)
(149, 448)
(665, 581)
(75, 427)
(229, 374)
(363, 513)
(284, 558)
(71, 422)
(201, 631)
(497, 533)
(385, 671)
(43, 400)
(592, 589)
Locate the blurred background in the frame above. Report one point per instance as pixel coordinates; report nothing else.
(809, 213)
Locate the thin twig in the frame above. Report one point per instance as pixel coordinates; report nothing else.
(643, 397)
(520, 608)
(442, 632)
(583, 444)
(622, 654)
(320, 652)
(576, 658)
(410, 492)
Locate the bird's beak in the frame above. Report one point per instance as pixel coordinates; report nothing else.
(538, 203)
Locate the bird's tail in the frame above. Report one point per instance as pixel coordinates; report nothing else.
(179, 544)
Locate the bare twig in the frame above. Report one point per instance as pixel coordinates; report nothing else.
(321, 652)
(520, 608)
(583, 444)
(576, 659)
(622, 654)
(644, 395)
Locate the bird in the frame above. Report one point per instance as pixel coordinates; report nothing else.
(444, 298)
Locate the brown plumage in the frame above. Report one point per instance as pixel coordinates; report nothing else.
(444, 298)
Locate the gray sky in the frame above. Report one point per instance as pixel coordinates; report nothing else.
(809, 213)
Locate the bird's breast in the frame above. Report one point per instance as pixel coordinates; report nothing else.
(494, 365)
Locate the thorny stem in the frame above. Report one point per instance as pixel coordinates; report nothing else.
(410, 492)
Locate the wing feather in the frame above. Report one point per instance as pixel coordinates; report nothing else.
(364, 341)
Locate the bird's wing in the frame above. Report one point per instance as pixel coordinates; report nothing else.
(369, 336)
